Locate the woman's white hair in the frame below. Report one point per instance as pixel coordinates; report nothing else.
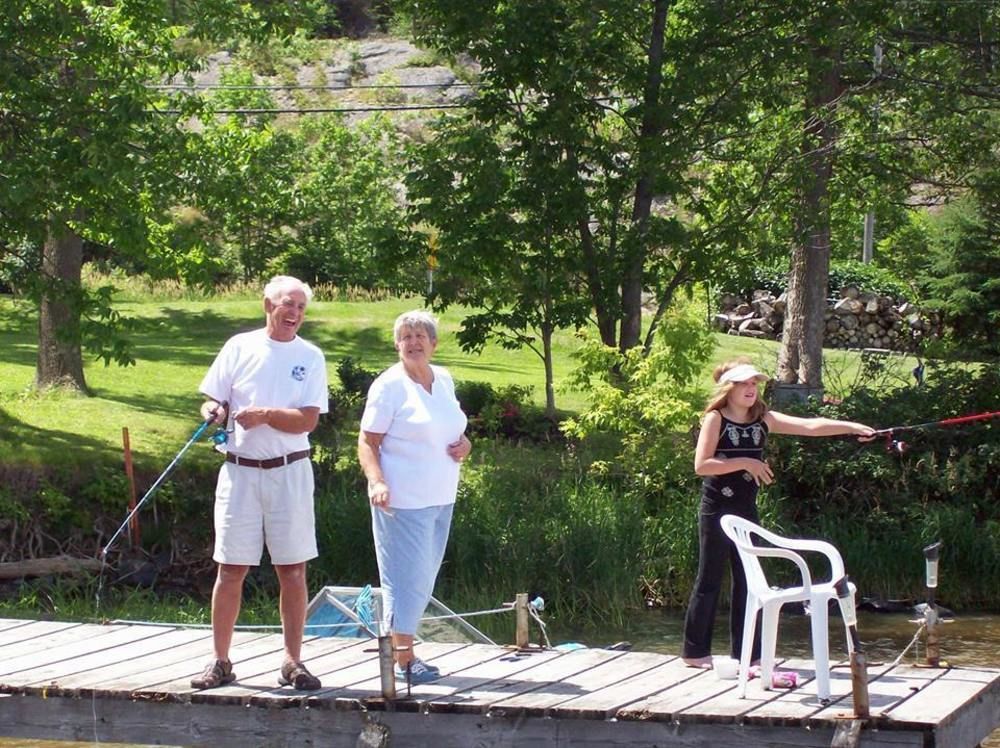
(279, 285)
(416, 318)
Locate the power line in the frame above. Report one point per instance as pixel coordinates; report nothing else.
(319, 110)
(297, 87)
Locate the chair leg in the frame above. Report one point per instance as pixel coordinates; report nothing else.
(746, 649)
(768, 644)
(821, 647)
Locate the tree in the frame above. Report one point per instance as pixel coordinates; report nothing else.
(606, 140)
(916, 148)
(351, 218)
(84, 153)
(961, 278)
(509, 244)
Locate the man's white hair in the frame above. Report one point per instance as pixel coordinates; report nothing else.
(279, 285)
(416, 318)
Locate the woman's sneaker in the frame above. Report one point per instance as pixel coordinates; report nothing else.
(419, 672)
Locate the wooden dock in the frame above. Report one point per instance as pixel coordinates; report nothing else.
(129, 683)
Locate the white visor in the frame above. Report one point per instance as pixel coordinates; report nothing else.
(742, 373)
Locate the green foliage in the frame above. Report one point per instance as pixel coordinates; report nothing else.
(866, 277)
(961, 279)
(350, 222)
(525, 522)
(241, 94)
(504, 412)
(650, 401)
(774, 279)
(355, 378)
(863, 497)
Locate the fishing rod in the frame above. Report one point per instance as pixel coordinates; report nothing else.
(893, 444)
(163, 476)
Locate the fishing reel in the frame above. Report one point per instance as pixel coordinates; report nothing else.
(221, 436)
(896, 446)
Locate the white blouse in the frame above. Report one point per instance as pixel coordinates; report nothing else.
(418, 426)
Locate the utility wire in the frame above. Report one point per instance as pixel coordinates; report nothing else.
(297, 87)
(317, 110)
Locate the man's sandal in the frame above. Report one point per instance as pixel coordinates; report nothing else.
(217, 673)
(294, 674)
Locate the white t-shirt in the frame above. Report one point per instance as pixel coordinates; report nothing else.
(418, 426)
(254, 369)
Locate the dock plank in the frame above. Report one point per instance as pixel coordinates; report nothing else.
(65, 657)
(616, 700)
(585, 684)
(363, 685)
(802, 703)
(670, 704)
(564, 679)
(131, 658)
(474, 687)
(887, 688)
(136, 684)
(35, 635)
(941, 696)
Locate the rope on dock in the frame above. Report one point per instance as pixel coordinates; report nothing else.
(916, 637)
(352, 624)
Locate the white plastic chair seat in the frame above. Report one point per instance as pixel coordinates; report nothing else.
(762, 597)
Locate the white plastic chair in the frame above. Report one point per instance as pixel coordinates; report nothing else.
(761, 596)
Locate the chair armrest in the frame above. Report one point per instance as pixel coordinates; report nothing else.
(800, 544)
(792, 556)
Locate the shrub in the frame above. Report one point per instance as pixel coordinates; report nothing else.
(774, 280)
(865, 496)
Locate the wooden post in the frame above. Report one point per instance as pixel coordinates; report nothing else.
(933, 638)
(134, 534)
(859, 684)
(521, 612)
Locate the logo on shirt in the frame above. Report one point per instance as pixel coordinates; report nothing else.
(298, 373)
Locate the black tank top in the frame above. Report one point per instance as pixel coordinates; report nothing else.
(737, 440)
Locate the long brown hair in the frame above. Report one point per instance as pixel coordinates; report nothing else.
(718, 399)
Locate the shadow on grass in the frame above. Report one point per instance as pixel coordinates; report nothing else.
(164, 404)
(184, 338)
(35, 444)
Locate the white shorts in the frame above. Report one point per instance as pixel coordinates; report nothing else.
(253, 505)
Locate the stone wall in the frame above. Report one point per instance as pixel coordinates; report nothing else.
(856, 320)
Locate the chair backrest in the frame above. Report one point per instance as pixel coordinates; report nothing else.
(740, 531)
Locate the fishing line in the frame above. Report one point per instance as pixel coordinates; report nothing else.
(152, 489)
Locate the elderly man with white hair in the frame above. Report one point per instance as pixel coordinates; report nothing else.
(410, 445)
(269, 386)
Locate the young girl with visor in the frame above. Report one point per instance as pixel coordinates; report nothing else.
(730, 455)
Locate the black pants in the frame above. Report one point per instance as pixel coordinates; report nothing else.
(714, 553)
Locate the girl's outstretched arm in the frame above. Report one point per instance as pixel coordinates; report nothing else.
(706, 463)
(779, 423)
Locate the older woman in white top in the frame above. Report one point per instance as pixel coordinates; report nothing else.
(411, 442)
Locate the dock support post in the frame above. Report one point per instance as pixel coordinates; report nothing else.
(521, 634)
(859, 662)
(931, 555)
(386, 665)
(859, 685)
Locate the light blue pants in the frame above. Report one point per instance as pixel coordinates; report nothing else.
(409, 546)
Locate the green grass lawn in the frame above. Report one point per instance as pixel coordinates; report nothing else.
(176, 340)
(174, 343)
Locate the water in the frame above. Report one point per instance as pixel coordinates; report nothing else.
(971, 640)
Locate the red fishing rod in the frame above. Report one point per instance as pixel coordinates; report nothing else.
(895, 445)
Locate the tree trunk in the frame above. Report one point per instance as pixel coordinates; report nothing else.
(550, 390)
(60, 359)
(636, 249)
(800, 360)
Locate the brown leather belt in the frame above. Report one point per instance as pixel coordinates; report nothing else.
(273, 462)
